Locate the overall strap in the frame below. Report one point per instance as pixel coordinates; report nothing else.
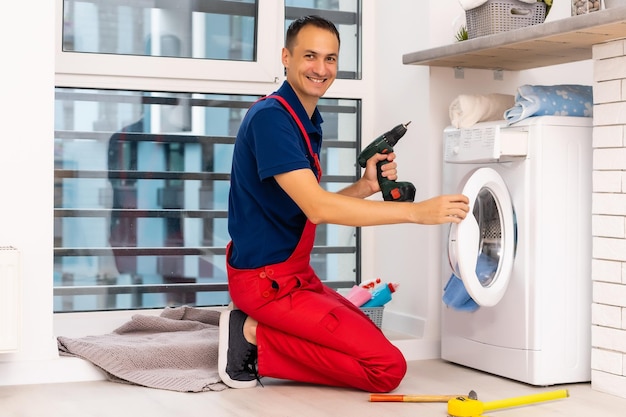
(291, 111)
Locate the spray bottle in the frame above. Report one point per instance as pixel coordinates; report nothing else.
(359, 295)
(381, 295)
(370, 284)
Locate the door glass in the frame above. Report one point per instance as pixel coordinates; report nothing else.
(489, 221)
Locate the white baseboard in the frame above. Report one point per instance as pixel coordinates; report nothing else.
(68, 369)
(405, 332)
(59, 370)
(409, 335)
(419, 349)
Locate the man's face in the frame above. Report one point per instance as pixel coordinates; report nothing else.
(312, 64)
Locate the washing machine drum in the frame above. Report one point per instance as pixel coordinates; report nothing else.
(481, 249)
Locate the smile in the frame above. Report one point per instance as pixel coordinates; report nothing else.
(317, 80)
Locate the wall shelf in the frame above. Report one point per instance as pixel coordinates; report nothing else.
(557, 42)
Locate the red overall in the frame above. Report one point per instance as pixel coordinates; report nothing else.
(308, 332)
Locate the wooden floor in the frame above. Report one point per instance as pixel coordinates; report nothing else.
(288, 399)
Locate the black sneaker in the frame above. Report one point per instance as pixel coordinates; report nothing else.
(237, 357)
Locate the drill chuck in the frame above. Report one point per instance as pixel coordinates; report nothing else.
(393, 136)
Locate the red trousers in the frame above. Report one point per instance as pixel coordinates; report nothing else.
(308, 332)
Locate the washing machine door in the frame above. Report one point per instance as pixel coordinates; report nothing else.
(481, 248)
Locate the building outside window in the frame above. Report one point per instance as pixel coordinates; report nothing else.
(149, 98)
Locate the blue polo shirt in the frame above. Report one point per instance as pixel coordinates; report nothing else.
(264, 223)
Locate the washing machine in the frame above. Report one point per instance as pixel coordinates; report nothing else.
(523, 254)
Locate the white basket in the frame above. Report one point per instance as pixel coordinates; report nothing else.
(496, 16)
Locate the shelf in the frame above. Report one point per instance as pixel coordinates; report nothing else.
(557, 42)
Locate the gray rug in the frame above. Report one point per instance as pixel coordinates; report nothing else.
(175, 351)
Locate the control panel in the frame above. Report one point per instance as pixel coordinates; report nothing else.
(485, 142)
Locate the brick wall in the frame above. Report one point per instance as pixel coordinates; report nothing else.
(608, 333)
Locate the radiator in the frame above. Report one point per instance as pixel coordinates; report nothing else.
(10, 299)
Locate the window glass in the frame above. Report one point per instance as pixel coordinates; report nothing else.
(209, 29)
(141, 196)
(345, 14)
(142, 174)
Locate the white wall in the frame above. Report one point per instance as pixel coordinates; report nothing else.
(407, 254)
(608, 267)
(412, 255)
(26, 181)
(26, 165)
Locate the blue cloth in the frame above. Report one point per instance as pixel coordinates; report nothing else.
(455, 294)
(264, 224)
(551, 100)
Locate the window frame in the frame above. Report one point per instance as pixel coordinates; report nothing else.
(214, 76)
(264, 69)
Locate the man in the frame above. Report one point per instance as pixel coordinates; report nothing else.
(290, 325)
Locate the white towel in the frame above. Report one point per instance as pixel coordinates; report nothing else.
(471, 4)
(468, 109)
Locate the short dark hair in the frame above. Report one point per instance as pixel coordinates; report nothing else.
(298, 24)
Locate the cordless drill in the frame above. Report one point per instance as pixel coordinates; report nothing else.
(392, 190)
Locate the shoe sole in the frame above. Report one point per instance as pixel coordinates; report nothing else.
(222, 355)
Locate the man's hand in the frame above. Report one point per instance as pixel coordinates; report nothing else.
(389, 170)
(442, 209)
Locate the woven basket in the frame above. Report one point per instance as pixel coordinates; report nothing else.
(375, 314)
(496, 16)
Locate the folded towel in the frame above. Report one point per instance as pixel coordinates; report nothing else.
(471, 4)
(554, 100)
(468, 109)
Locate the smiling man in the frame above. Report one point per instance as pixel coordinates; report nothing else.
(287, 323)
(310, 62)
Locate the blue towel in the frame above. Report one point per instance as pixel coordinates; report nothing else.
(455, 294)
(551, 100)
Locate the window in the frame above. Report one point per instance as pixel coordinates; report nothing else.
(181, 29)
(345, 14)
(142, 175)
